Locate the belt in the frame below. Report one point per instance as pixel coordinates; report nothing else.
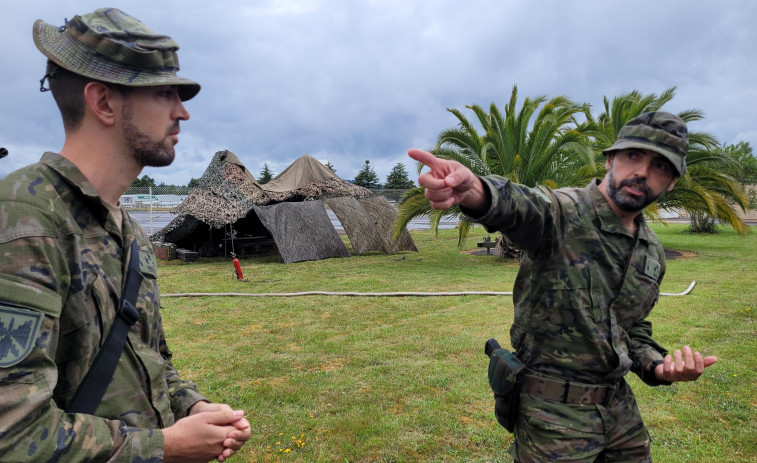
(567, 392)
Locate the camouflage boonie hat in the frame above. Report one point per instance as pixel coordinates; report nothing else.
(659, 131)
(111, 46)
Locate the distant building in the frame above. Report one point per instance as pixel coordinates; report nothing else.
(139, 201)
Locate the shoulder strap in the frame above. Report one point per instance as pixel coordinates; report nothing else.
(90, 391)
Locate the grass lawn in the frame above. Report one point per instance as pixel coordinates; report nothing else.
(403, 379)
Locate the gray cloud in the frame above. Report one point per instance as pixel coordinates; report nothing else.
(349, 80)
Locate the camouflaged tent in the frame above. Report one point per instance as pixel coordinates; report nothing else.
(229, 211)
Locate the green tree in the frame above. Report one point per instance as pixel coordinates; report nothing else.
(165, 189)
(143, 182)
(367, 177)
(193, 183)
(743, 155)
(539, 143)
(265, 175)
(398, 178)
(746, 173)
(708, 191)
(331, 167)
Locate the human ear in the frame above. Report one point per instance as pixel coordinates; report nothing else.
(99, 100)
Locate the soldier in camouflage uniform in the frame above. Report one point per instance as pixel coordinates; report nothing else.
(64, 249)
(589, 277)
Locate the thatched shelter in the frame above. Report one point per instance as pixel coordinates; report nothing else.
(229, 210)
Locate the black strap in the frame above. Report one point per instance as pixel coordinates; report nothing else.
(90, 391)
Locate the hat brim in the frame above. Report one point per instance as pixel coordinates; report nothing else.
(70, 54)
(674, 159)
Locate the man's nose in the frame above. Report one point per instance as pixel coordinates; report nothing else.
(181, 112)
(642, 168)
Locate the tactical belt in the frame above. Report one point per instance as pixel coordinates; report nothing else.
(90, 391)
(567, 392)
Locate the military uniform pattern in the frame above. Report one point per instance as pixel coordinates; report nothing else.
(62, 260)
(548, 430)
(583, 292)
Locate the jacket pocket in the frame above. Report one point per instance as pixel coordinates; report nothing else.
(566, 295)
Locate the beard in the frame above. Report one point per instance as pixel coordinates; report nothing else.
(627, 202)
(146, 151)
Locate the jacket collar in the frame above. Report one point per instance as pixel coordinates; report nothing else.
(77, 180)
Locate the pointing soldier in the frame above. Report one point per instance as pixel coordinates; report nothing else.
(589, 277)
(69, 254)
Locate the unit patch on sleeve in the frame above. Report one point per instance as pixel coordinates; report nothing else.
(18, 331)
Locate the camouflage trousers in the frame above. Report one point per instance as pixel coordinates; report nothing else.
(551, 431)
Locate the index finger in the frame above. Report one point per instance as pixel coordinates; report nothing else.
(223, 417)
(422, 156)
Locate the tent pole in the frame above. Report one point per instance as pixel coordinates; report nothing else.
(231, 232)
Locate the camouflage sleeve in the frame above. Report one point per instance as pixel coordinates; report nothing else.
(183, 393)
(522, 214)
(643, 350)
(34, 278)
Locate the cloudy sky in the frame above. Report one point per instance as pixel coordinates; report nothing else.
(354, 80)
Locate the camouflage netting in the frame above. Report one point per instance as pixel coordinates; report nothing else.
(358, 225)
(228, 201)
(286, 221)
(226, 193)
(383, 215)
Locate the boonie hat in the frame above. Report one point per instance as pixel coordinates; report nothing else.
(658, 131)
(112, 46)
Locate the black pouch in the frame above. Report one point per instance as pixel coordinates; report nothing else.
(505, 372)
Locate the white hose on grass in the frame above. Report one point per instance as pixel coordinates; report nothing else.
(391, 294)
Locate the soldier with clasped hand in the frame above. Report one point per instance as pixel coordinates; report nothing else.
(66, 245)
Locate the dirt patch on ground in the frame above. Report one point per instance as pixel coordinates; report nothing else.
(674, 254)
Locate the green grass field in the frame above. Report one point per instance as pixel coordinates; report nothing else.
(403, 379)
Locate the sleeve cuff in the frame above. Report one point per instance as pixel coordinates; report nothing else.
(183, 402)
(494, 203)
(648, 376)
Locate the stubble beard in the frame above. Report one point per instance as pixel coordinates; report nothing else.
(629, 203)
(146, 151)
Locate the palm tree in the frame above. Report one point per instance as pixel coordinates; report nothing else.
(553, 149)
(707, 191)
(623, 108)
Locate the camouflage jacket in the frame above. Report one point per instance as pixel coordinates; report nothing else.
(62, 267)
(585, 285)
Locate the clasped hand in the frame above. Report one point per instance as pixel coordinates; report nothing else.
(209, 431)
